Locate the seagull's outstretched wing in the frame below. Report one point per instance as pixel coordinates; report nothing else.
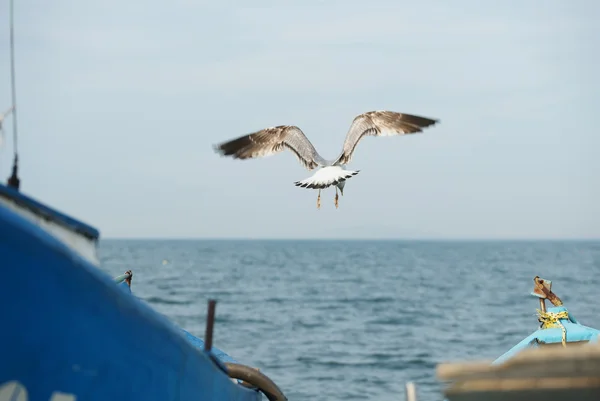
(270, 141)
(380, 123)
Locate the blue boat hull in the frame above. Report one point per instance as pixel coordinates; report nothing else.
(68, 332)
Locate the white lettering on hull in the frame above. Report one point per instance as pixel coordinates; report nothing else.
(15, 391)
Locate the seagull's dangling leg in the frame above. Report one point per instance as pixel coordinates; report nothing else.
(336, 198)
(319, 200)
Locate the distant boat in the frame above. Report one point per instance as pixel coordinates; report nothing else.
(70, 332)
(558, 325)
(559, 361)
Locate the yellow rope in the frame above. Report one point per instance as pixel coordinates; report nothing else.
(552, 319)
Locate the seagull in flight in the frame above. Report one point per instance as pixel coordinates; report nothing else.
(273, 140)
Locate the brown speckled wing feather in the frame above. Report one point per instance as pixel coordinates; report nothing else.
(380, 123)
(270, 141)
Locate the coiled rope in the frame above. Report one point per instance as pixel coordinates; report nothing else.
(551, 320)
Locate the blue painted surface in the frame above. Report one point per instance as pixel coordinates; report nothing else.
(47, 212)
(199, 344)
(124, 287)
(575, 332)
(66, 326)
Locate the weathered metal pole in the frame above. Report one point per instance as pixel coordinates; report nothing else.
(542, 304)
(210, 322)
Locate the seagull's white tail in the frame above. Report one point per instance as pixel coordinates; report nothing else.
(326, 177)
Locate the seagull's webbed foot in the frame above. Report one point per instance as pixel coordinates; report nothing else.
(319, 200)
(336, 198)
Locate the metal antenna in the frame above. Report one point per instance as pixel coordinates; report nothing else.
(13, 180)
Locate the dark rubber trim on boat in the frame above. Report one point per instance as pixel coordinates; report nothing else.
(257, 379)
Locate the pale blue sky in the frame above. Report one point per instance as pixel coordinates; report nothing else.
(120, 103)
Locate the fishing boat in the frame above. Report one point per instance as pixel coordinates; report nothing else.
(559, 361)
(71, 332)
(558, 326)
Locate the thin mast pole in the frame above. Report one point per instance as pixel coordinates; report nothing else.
(13, 180)
(12, 77)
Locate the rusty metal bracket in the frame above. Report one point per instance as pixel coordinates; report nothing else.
(543, 290)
